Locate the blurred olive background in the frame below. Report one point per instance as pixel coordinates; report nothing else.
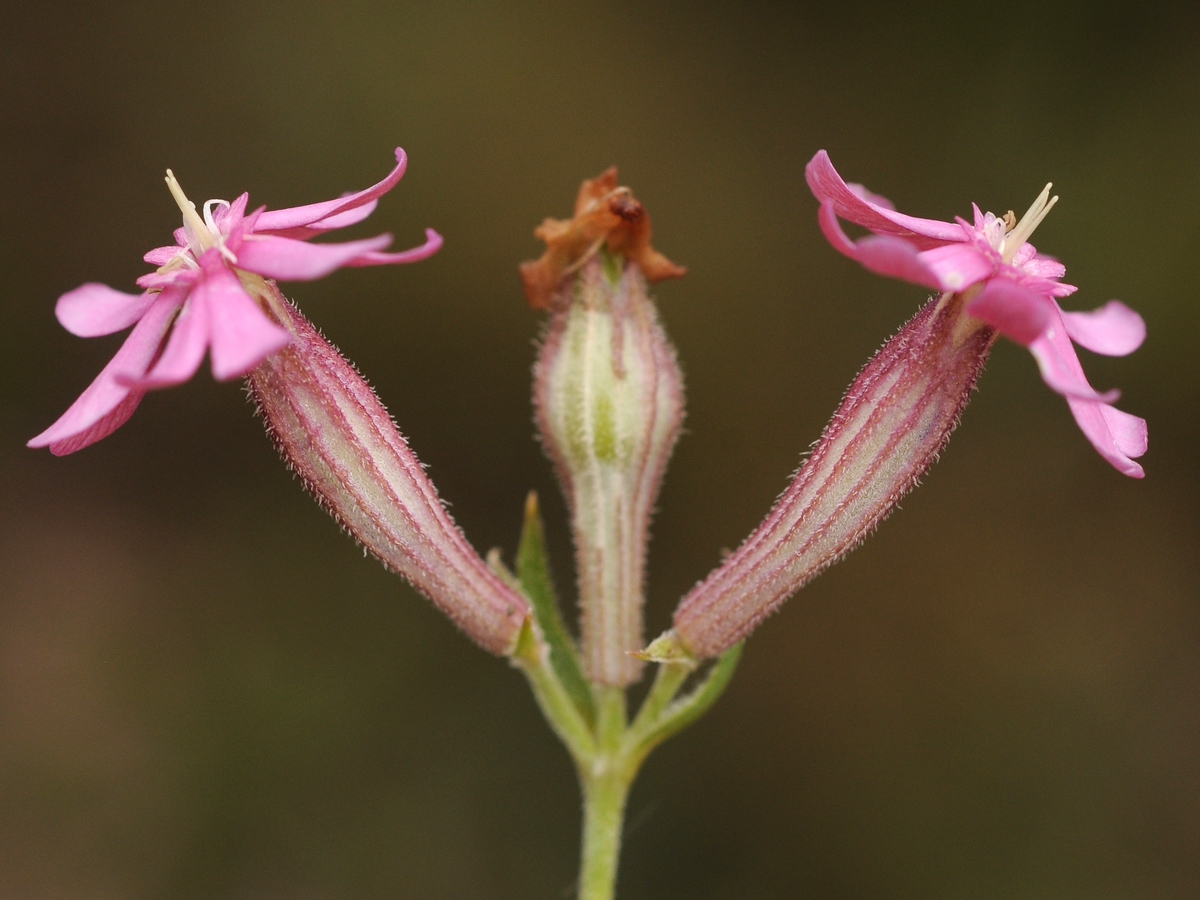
(207, 692)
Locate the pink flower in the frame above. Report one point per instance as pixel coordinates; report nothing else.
(1007, 285)
(207, 294)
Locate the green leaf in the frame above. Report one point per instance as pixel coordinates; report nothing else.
(533, 574)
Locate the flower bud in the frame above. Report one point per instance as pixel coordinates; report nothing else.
(609, 401)
(890, 427)
(337, 437)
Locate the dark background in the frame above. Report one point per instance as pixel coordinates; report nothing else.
(207, 692)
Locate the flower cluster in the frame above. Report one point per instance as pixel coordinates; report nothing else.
(609, 403)
(608, 395)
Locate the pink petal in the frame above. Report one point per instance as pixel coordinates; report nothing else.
(862, 193)
(101, 429)
(1018, 314)
(184, 351)
(827, 184)
(1038, 285)
(958, 266)
(1128, 431)
(95, 309)
(160, 281)
(1114, 329)
(1045, 267)
(160, 256)
(107, 404)
(240, 334)
(1029, 261)
(433, 243)
(345, 219)
(882, 254)
(307, 221)
(1116, 435)
(1055, 355)
(227, 216)
(292, 260)
(1025, 253)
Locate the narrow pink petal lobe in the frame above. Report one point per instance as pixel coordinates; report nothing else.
(433, 243)
(310, 220)
(1128, 431)
(1116, 435)
(239, 333)
(107, 404)
(95, 309)
(1060, 368)
(291, 260)
(1041, 266)
(882, 254)
(853, 206)
(344, 219)
(1016, 313)
(1114, 329)
(227, 216)
(958, 266)
(101, 429)
(160, 256)
(184, 351)
(895, 258)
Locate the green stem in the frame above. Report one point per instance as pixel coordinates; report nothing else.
(605, 786)
(604, 793)
(667, 682)
(670, 719)
(609, 750)
(531, 655)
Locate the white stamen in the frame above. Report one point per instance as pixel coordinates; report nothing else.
(191, 219)
(208, 217)
(212, 226)
(1024, 229)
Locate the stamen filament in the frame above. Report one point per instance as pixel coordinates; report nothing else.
(1029, 223)
(208, 216)
(191, 218)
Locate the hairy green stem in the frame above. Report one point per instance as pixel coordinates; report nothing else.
(609, 752)
(532, 657)
(604, 796)
(605, 786)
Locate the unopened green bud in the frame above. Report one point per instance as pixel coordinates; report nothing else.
(609, 399)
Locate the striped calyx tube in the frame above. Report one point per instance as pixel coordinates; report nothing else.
(894, 420)
(338, 438)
